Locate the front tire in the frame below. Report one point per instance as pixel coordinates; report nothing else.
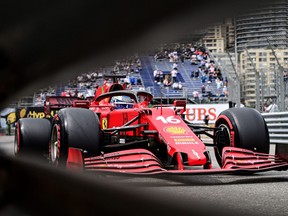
(243, 128)
(76, 128)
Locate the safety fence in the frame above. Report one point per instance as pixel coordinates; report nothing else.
(277, 124)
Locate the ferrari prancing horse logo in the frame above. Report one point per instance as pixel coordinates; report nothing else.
(104, 123)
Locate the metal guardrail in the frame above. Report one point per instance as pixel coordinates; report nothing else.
(277, 124)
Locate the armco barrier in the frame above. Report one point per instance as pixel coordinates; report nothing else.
(277, 124)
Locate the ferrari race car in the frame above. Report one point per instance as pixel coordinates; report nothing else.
(118, 131)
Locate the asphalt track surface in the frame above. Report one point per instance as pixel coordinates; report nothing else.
(257, 194)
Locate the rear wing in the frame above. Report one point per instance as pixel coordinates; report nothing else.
(54, 103)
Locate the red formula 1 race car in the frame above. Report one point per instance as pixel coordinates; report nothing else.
(118, 131)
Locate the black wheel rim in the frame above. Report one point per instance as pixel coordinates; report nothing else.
(222, 139)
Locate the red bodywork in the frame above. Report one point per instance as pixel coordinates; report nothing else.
(142, 139)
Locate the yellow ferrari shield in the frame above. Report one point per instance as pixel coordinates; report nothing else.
(104, 123)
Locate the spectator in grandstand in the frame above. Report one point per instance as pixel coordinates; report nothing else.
(201, 71)
(177, 86)
(127, 68)
(186, 54)
(42, 96)
(167, 81)
(203, 89)
(203, 78)
(156, 57)
(206, 65)
(155, 72)
(192, 49)
(175, 56)
(174, 73)
(196, 74)
(199, 57)
(206, 57)
(38, 101)
(116, 68)
(126, 80)
(219, 85)
(139, 82)
(209, 89)
(192, 74)
(171, 57)
(226, 81)
(210, 77)
(157, 75)
(194, 60)
(89, 92)
(196, 95)
(202, 63)
(79, 78)
(225, 91)
(175, 65)
(137, 69)
(138, 62)
(94, 77)
(133, 80)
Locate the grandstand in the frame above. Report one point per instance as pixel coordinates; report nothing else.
(138, 72)
(184, 76)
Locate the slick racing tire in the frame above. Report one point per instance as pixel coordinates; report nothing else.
(73, 127)
(243, 128)
(32, 136)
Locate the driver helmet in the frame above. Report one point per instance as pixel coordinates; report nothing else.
(122, 102)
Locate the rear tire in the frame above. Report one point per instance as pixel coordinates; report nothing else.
(76, 128)
(32, 136)
(243, 128)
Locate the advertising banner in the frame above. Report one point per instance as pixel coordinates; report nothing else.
(195, 113)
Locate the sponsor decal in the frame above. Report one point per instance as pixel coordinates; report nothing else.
(174, 130)
(112, 158)
(185, 141)
(176, 137)
(11, 118)
(22, 113)
(35, 114)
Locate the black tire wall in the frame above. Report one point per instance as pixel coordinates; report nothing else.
(32, 135)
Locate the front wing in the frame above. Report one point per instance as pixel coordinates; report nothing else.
(143, 162)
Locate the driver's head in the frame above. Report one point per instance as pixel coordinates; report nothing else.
(122, 102)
